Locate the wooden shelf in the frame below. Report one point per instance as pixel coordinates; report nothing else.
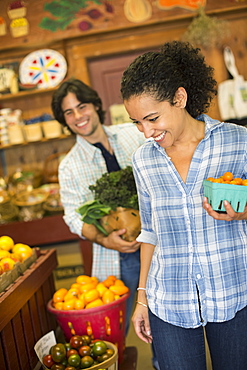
(43, 140)
(25, 93)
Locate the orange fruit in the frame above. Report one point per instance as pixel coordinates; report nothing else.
(7, 264)
(6, 242)
(76, 286)
(69, 305)
(58, 305)
(91, 295)
(59, 295)
(108, 282)
(83, 279)
(237, 181)
(94, 279)
(98, 302)
(86, 287)
(108, 297)
(119, 282)
(72, 293)
(119, 289)
(228, 176)
(101, 289)
(244, 182)
(79, 304)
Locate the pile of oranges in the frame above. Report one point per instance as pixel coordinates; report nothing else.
(88, 292)
(228, 178)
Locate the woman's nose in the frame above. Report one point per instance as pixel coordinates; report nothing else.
(147, 131)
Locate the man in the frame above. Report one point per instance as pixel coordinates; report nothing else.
(98, 149)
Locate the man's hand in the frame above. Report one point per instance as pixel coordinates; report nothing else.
(230, 214)
(141, 324)
(112, 241)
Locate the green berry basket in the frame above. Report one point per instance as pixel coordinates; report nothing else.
(216, 193)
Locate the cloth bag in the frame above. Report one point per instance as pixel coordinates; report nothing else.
(232, 93)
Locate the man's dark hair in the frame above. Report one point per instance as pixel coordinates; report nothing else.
(161, 73)
(84, 94)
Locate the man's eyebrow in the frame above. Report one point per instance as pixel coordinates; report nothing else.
(66, 110)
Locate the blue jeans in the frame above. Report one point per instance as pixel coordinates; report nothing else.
(130, 270)
(184, 349)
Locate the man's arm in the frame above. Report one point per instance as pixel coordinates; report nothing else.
(112, 241)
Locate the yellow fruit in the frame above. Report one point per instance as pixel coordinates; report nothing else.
(79, 304)
(69, 305)
(91, 295)
(7, 264)
(22, 250)
(15, 257)
(108, 297)
(59, 295)
(101, 289)
(98, 302)
(6, 243)
(4, 254)
(119, 289)
(72, 293)
(83, 279)
(58, 305)
(86, 287)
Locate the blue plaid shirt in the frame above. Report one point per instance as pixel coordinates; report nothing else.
(198, 273)
(81, 167)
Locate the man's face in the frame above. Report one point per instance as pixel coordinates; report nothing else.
(82, 118)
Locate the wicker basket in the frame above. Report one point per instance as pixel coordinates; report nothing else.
(8, 211)
(51, 167)
(30, 204)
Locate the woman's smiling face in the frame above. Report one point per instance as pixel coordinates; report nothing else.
(160, 120)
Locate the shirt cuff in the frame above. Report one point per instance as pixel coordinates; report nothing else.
(147, 237)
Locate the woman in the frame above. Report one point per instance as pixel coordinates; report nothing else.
(193, 275)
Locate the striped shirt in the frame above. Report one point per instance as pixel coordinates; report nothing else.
(198, 272)
(81, 167)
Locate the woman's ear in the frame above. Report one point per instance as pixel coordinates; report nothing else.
(180, 98)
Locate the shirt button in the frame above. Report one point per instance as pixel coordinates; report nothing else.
(198, 276)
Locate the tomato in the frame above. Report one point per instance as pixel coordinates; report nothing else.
(110, 351)
(84, 351)
(72, 351)
(86, 340)
(70, 368)
(99, 348)
(57, 367)
(74, 360)
(86, 362)
(58, 352)
(228, 176)
(48, 361)
(103, 357)
(76, 341)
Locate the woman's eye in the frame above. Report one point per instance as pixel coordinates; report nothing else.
(153, 119)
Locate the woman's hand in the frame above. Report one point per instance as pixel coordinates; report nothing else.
(230, 214)
(141, 323)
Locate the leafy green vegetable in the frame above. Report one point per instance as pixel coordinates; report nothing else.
(116, 189)
(91, 213)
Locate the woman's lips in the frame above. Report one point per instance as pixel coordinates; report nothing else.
(160, 137)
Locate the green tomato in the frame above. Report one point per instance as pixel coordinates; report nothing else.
(86, 362)
(74, 360)
(99, 348)
(58, 352)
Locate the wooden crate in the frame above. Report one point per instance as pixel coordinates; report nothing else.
(24, 318)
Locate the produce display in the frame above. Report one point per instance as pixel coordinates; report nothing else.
(115, 205)
(11, 253)
(79, 353)
(88, 292)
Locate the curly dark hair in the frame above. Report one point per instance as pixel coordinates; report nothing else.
(161, 73)
(84, 94)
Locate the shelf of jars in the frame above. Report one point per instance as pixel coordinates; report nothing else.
(25, 93)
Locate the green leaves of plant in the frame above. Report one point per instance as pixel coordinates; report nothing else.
(92, 211)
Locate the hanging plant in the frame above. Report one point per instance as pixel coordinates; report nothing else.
(206, 32)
